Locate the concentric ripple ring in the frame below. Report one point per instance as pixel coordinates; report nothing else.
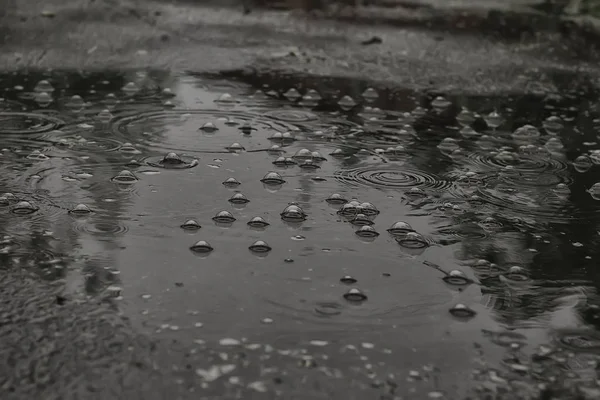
(16, 123)
(388, 178)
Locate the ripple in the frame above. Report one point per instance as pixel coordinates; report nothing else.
(579, 340)
(99, 226)
(16, 123)
(388, 178)
(293, 116)
(520, 164)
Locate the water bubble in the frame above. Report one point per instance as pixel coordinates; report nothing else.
(582, 164)
(110, 100)
(440, 103)
(293, 213)
(594, 191)
(272, 178)
(131, 88)
(167, 93)
(43, 99)
(338, 153)
(172, 159)
(465, 117)
(247, 129)
(292, 94)
(202, 246)
(235, 147)
(314, 94)
(400, 228)
(260, 246)
(309, 165)
(125, 176)
(80, 209)
(238, 198)
(467, 132)
(561, 190)
(366, 231)
(37, 155)
(361, 220)
(462, 312)
(368, 209)
(258, 222)
(349, 209)
(191, 225)
(412, 240)
(336, 199)
(303, 154)
(370, 95)
(43, 86)
(275, 149)
(354, 295)
(225, 98)
(395, 150)
(490, 224)
(75, 103)
(448, 145)
(457, 278)
(284, 161)
(8, 198)
(282, 137)
(209, 127)
(104, 116)
(493, 119)
(526, 132)
(24, 207)
(554, 145)
(516, 274)
(224, 217)
(415, 193)
(553, 125)
(346, 103)
(348, 280)
(231, 182)
(317, 156)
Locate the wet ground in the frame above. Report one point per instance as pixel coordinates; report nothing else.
(243, 236)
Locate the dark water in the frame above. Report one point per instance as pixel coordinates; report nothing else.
(493, 284)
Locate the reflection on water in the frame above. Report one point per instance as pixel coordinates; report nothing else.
(395, 217)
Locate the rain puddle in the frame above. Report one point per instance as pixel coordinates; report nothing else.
(415, 240)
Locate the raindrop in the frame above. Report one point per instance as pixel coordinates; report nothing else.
(80, 209)
(24, 207)
(400, 228)
(457, 278)
(104, 116)
(235, 147)
(346, 103)
(272, 178)
(355, 296)
(336, 199)
(191, 225)
(348, 280)
(361, 220)
(224, 217)
(465, 117)
(292, 94)
(238, 198)
(209, 127)
(43, 86)
(293, 213)
(366, 231)
(582, 164)
(370, 95)
(231, 182)
(125, 176)
(461, 311)
(258, 222)
(201, 246)
(412, 240)
(172, 159)
(440, 103)
(553, 125)
(260, 246)
(493, 119)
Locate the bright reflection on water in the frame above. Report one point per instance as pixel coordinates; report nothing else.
(415, 225)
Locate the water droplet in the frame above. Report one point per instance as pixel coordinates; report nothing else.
(354, 295)
(457, 278)
(238, 198)
(80, 209)
(293, 213)
(465, 117)
(440, 103)
(366, 231)
(23, 208)
(553, 125)
(370, 95)
(235, 147)
(104, 116)
(493, 119)
(336, 199)
(231, 182)
(201, 246)
(43, 86)
(361, 220)
(412, 240)
(191, 225)
(462, 312)
(348, 280)
(582, 164)
(125, 176)
(209, 127)
(260, 246)
(272, 178)
(172, 159)
(292, 94)
(400, 228)
(224, 217)
(258, 222)
(346, 103)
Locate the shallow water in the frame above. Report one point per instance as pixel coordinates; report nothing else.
(512, 210)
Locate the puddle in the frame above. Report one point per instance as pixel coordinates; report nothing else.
(324, 212)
